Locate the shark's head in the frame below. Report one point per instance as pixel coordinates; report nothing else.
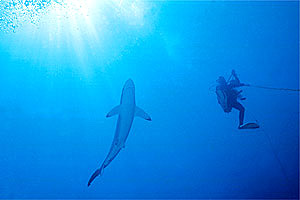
(128, 94)
(129, 84)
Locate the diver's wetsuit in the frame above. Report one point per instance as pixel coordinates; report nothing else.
(233, 96)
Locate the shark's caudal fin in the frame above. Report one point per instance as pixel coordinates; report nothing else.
(95, 174)
(141, 113)
(114, 111)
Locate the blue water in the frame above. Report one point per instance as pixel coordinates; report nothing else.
(62, 68)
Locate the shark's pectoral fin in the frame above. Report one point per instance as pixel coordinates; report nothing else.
(114, 111)
(141, 113)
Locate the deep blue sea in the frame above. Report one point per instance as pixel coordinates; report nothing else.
(63, 64)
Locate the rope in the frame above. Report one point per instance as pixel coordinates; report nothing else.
(272, 88)
(273, 149)
(282, 169)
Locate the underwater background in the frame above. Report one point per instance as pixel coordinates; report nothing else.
(62, 68)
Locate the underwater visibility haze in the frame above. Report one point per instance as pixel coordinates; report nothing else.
(63, 65)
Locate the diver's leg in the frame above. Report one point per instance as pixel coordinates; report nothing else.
(241, 108)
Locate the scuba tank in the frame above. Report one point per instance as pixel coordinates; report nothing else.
(222, 98)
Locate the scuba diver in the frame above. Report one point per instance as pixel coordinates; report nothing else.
(228, 98)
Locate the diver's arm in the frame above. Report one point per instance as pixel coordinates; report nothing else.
(235, 76)
(234, 85)
(236, 82)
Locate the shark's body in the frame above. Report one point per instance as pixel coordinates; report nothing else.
(127, 110)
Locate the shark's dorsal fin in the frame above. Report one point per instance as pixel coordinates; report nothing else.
(114, 111)
(141, 113)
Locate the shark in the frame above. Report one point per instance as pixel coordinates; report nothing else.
(126, 111)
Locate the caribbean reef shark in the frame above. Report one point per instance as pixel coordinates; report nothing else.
(126, 111)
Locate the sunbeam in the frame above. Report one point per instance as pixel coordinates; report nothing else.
(86, 29)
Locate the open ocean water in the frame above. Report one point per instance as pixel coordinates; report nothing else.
(63, 64)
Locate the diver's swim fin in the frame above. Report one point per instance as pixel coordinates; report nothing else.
(250, 125)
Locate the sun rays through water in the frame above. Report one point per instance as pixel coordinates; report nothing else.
(87, 30)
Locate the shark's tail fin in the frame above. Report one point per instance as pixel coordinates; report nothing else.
(95, 174)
